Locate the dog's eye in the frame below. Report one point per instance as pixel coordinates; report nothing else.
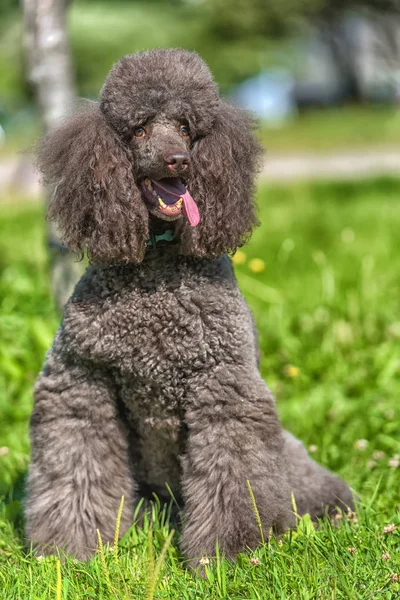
(139, 132)
(184, 131)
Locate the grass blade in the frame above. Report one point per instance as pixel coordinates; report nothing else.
(103, 562)
(59, 580)
(117, 528)
(154, 570)
(255, 510)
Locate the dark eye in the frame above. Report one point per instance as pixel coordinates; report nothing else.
(139, 132)
(184, 131)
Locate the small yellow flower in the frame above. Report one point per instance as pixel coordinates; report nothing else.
(239, 258)
(256, 265)
(292, 371)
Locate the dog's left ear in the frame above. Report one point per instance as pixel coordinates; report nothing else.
(224, 165)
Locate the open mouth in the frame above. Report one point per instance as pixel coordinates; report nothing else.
(170, 197)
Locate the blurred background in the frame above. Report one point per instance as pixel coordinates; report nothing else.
(322, 75)
(322, 272)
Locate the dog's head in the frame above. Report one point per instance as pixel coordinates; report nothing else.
(160, 144)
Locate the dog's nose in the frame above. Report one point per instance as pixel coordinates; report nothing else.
(177, 160)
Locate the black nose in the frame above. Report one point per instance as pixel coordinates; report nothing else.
(177, 160)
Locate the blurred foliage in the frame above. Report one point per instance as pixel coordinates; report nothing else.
(235, 19)
(13, 91)
(8, 7)
(236, 37)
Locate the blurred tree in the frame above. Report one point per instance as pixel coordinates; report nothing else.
(330, 17)
(49, 70)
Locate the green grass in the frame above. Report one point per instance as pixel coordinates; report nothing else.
(328, 312)
(336, 129)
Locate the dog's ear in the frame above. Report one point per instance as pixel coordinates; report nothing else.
(96, 202)
(224, 165)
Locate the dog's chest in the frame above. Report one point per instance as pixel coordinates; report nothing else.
(164, 337)
(162, 329)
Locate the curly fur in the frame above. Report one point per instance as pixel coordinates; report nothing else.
(153, 376)
(96, 201)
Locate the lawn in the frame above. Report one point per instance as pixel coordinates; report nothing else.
(322, 277)
(339, 129)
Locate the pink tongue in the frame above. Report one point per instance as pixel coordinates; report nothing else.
(190, 209)
(171, 188)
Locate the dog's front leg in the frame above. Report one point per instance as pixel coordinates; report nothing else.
(234, 437)
(80, 466)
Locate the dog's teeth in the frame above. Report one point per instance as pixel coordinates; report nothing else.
(171, 209)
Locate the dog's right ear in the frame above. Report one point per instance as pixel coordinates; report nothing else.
(96, 202)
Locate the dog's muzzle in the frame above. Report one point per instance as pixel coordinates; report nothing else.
(170, 197)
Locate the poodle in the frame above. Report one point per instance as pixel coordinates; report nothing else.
(153, 375)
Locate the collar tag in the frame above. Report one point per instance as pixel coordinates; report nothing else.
(167, 236)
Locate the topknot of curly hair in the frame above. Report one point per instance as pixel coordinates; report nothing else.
(130, 97)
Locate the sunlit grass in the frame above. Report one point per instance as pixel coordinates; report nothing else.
(326, 302)
(340, 129)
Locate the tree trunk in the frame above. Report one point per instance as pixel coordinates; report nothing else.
(343, 55)
(49, 70)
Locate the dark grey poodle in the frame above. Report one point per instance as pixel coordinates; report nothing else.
(153, 375)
